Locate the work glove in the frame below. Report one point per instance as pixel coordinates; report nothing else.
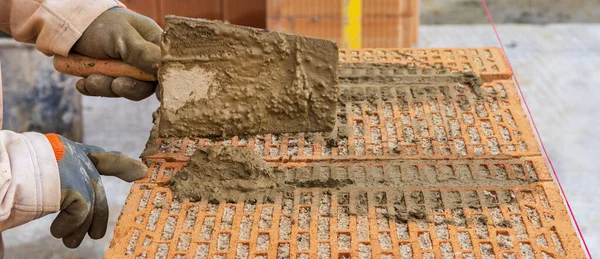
(120, 34)
(83, 205)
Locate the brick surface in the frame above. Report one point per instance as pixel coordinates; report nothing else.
(498, 202)
(385, 23)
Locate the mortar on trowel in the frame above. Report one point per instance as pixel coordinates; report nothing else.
(218, 80)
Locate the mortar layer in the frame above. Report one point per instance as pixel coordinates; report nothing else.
(219, 79)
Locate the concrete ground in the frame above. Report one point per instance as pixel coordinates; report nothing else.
(555, 65)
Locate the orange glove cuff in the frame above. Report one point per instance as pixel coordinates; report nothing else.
(57, 146)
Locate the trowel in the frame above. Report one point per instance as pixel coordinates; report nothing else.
(219, 79)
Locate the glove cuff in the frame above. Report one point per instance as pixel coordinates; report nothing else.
(57, 146)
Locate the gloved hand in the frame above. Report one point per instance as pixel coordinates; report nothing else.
(84, 208)
(121, 34)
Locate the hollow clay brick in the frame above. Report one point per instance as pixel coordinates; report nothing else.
(501, 205)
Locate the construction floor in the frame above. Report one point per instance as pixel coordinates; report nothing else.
(549, 62)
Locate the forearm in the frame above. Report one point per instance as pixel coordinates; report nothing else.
(29, 178)
(53, 25)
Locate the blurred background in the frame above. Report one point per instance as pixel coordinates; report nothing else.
(554, 48)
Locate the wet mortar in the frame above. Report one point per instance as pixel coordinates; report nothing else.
(221, 79)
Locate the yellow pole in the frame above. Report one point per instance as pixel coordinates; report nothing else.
(352, 24)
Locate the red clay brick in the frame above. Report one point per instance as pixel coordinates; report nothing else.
(507, 206)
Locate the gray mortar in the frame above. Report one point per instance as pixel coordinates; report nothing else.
(221, 79)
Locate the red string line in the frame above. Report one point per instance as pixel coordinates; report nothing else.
(489, 15)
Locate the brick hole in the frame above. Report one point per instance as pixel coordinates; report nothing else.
(523, 145)
(207, 228)
(446, 251)
(343, 218)
(304, 218)
(460, 147)
(541, 241)
(163, 251)
(144, 200)
(132, 242)
(531, 170)
(274, 151)
(262, 243)
(464, 240)
(468, 256)
(147, 241)
(323, 227)
(344, 256)
(519, 226)
(440, 134)
(474, 135)
(202, 251)
(344, 242)
(382, 218)
(154, 172)
(153, 219)
(419, 110)
(427, 146)
(246, 227)
(242, 251)
(449, 110)
(425, 241)
(509, 118)
(441, 228)
(556, 240)
(487, 251)
(406, 251)
(211, 208)
(445, 150)
(323, 251)
(423, 128)
(359, 147)
(362, 204)
(411, 150)
(481, 229)
(487, 128)
(500, 172)
(259, 146)
(471, 199)
(481, 110)
(223, 242)
(227, 219)
(362, 228)
(260, 256)
(386, 256)
(494, 146)
(527, 251)
(459, 217)
(292, 147)
(437, 119)
(511, 148)
(509, 256)
(357, 110)
(306, 198)
(184, 242)
(359, 175)
(405, 119)
(454, 127)
(266, 218)
(504, 133)
(505, 241)
(422, 224)
(498, 118)
(364, 251)
(169, 228)
(490, 197)
(409, 135)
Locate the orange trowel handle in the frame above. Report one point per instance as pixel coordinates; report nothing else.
(78, 65)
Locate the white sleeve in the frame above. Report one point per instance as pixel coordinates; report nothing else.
(29, 178)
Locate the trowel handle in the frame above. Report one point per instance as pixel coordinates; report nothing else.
(78, 65)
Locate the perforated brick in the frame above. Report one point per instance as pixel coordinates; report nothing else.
(490, 195)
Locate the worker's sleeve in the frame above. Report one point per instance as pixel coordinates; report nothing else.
(53, 25)
(29, 178)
